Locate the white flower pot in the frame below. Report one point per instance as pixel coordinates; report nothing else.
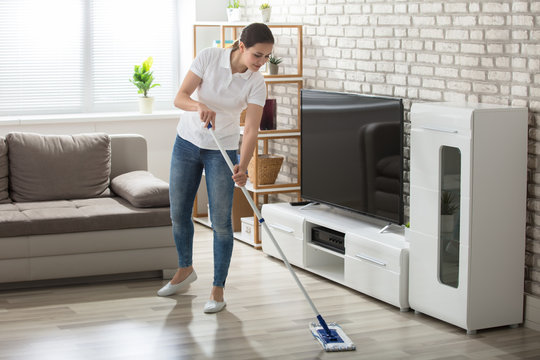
(265, 14)
(234, 14)
(146, 104)
(273, 69)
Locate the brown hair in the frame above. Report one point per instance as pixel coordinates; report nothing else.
(254, 34)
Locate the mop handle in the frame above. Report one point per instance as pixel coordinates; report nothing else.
(265, 226)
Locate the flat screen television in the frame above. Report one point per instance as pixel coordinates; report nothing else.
(352, 152)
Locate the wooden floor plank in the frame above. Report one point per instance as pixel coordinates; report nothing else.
(266, 317)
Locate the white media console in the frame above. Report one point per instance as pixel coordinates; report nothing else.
(374, 263)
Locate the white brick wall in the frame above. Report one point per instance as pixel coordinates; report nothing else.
(477, 51)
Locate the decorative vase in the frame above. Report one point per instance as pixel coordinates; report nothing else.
(273, 68)
(234, 14)
(268, 120)
(265, 14)
(146, 104)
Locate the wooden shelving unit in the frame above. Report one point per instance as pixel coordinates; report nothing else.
(231, 31)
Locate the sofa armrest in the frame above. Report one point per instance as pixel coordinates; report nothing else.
(128, 153)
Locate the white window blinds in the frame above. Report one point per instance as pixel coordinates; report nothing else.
(41, 56)
(66, 56)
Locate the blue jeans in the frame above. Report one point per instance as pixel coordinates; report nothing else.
(187, 164)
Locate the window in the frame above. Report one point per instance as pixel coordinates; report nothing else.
(72, 56)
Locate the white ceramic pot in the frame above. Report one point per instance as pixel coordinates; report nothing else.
(234, 14)
(146, 104)
(265, 14)
(273, 68)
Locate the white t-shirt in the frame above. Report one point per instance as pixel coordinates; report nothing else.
(226, 93)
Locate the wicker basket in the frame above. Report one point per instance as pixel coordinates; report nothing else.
(268, 167)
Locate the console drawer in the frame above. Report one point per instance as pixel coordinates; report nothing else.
(287, 229)
(377, 253)
(377, 269)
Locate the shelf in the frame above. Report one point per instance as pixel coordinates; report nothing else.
(202, 220)
(275, 134)
(242, 23)
(323, 249)
(237, 234)
(273, 188)
(282, 79)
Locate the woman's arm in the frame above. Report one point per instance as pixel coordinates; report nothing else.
(184, 101)
(249, 141)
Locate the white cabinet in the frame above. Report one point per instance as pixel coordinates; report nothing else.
(467, 213)
(288, 230)
(374, 263)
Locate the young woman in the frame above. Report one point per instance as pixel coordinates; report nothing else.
(227, 81)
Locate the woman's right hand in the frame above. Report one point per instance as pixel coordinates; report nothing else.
(207, 115)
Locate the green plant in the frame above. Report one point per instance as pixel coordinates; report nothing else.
(264, 6)
(274, 60)
(143, 78)
(449, 204)
(234, 4)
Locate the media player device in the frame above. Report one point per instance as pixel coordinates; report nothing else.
(328, 238)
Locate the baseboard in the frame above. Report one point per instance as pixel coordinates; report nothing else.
(82, 280)
(532, 312)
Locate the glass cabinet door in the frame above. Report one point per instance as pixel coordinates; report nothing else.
(449, 215)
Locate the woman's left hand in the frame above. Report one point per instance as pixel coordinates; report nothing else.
(239, 176)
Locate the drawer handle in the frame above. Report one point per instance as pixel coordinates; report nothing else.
(451, 131)
(370, 259)
(282, 228)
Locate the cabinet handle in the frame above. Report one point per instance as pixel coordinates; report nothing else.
(282, 228)
(451, 131)
(370, 259)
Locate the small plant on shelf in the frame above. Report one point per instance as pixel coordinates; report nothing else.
(273, 63)
(266, 11)
(448, 203)
(234, 12)
(274, 60)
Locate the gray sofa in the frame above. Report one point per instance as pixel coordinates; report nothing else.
(81, 205)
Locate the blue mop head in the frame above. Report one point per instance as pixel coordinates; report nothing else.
(337, 340)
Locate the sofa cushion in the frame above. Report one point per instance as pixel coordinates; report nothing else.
(4, 171)
(141, 189)
(55, 217)
(55, 167)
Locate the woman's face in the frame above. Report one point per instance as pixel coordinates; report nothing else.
(256, 56)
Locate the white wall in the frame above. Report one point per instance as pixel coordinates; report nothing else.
(159, 134)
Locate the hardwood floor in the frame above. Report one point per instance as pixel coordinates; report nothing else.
(266, 318)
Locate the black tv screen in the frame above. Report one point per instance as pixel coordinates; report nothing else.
(352, 152)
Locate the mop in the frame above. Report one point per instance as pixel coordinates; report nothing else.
(331, 336)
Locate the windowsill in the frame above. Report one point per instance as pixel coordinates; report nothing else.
(87, 117)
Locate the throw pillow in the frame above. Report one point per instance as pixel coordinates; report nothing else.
(58, 167)
(141, 189)
(4, 171)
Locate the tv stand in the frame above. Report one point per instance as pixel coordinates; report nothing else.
(374, 263)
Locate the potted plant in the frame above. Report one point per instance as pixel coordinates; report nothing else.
(273, 63)
(143, 79)
(448, 208)
(234, 11)
(266, 10)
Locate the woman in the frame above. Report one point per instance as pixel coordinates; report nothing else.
(227, 81)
